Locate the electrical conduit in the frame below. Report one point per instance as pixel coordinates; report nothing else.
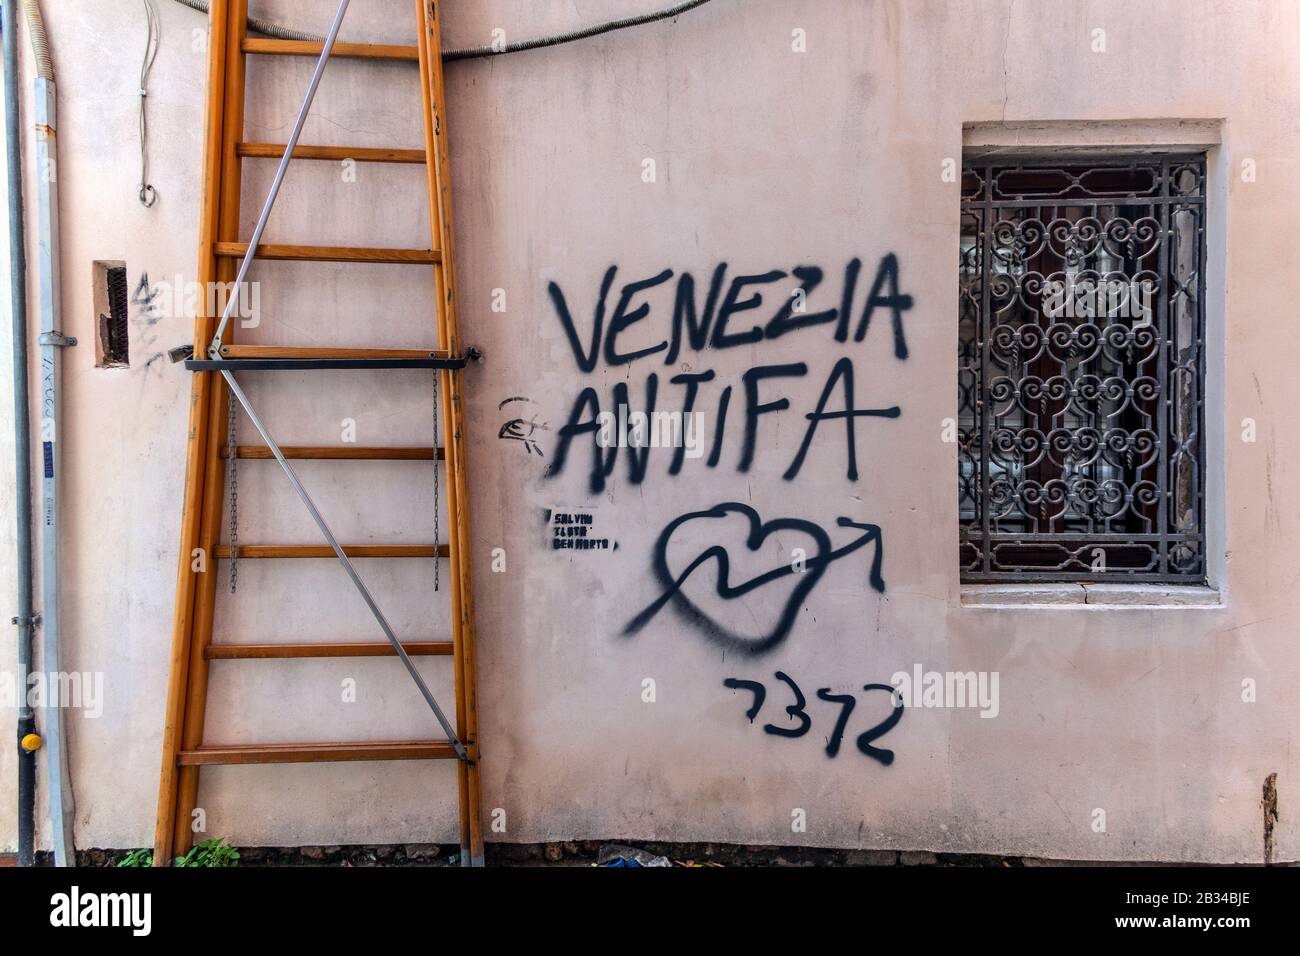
(52, 342)
(25, 618)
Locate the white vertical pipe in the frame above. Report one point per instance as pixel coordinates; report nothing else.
(52, 340)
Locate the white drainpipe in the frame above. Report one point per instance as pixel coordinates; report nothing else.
(52, 341)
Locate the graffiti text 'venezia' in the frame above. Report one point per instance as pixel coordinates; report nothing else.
(732, 314)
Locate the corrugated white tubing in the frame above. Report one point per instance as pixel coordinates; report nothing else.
(40, 45)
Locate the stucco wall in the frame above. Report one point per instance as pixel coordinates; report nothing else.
(764, 158)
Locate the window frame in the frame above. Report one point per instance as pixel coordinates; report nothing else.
(1167, 200)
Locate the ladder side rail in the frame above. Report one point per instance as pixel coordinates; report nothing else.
(438, 166)
(214, 475)
(201, 387)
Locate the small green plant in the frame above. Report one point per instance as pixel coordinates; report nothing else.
(208, 853)
(216, 852)
(137, 858)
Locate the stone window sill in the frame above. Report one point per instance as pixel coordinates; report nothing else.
(1089, 596)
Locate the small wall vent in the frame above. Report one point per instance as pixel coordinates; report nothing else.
(112, 309)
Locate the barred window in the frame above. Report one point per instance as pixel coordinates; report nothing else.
(1081, 370)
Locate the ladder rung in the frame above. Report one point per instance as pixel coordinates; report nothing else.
(340, 453)
(309, 364)
(256, 652)
(255, 551)
(286, 351)
(317, 753)
(339, 153)
(237, 250)
(364, 51)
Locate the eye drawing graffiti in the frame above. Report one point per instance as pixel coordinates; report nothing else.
(520, 429)
(759, 531)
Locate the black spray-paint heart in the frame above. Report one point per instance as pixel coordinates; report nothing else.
(813, 569)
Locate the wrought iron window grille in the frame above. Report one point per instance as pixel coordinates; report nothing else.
(1081, 371)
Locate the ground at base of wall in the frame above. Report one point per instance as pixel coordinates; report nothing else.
(588, 853)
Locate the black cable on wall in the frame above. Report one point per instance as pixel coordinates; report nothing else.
(267, 28)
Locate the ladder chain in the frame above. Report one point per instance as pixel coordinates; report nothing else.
(232, 464)
(437, 537)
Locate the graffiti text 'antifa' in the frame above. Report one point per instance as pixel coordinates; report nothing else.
(732, 314)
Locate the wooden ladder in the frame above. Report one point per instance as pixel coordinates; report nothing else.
(213, 366)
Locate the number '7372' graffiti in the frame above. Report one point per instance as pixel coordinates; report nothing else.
(803, 722)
